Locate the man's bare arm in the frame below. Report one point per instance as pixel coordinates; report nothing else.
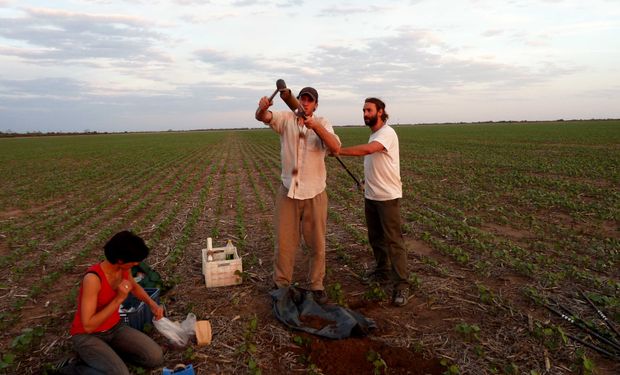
(329, 139)
(361, 150)
(262, 112)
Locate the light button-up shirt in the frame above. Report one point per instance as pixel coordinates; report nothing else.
(302, 154)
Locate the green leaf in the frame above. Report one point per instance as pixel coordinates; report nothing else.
(8, 358)
(588, 364)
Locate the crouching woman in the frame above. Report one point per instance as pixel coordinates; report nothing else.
(100, 339)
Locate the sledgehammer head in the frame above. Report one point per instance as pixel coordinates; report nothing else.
(280, 85)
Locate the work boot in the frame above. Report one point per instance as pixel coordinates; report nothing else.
(400, 297)
(376, 276)
(319, 296)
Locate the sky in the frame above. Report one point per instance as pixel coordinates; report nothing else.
(154, 65)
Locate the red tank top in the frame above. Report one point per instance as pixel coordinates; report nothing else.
(105, 296)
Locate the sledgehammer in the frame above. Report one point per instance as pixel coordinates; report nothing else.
(292, 102)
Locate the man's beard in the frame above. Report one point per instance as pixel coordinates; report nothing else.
(371, 121)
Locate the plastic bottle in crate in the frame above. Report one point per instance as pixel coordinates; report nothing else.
(209, 249)
(230, 250)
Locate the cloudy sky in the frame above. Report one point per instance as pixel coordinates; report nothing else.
(114, 65)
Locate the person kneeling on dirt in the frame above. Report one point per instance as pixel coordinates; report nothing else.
(383, 190)
(98, 335)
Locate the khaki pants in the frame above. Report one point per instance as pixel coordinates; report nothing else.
(294, 218)
(386, 239)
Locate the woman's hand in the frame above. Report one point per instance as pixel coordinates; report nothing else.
(123, 289)
(138, 291)
(158, 311)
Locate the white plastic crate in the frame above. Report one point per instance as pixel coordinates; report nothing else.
(221, 268)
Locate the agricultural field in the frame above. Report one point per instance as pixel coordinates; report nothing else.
(501, 220)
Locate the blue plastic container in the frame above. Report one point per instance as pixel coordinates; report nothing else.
(141, 313)
(180, 370)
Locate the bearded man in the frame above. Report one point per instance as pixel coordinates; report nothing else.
(382, 193)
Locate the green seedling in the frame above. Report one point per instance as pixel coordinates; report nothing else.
(585, 365)
(485, 294)
(451, 369)
(248, 346)
(414, 281)
(511, 369)
(253, 367)
(189, 354)
(379, 365)
(27, 339)
(7, 361)
(468, 331)
(375, 293)
(336, 294)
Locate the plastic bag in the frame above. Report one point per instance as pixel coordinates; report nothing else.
(178, 333)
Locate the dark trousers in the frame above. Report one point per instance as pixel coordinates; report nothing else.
(104, 352)
(386, 239)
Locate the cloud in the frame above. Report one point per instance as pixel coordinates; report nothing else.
(493, 32)
(227, 61)
(192, 2)
(209, 17)
(244, 3)
(610, 93)
(64, 104)
(290, 3)
(341, 11)
(419, 60)
(40, 88)
(246, 68)
(59, 36)
(111, 65)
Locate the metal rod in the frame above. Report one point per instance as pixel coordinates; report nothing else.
(581, 324)
(592, 346)
(359, 186)
(572, 321)
(603, 316)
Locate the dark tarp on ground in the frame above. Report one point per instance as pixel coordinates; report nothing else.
(296, 308)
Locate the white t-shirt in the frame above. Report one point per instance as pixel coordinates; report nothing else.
(303, 155)
(382, 169)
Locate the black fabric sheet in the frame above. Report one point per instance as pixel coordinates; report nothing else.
(296, 308)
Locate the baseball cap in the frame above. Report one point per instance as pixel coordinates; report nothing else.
(309, 91)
